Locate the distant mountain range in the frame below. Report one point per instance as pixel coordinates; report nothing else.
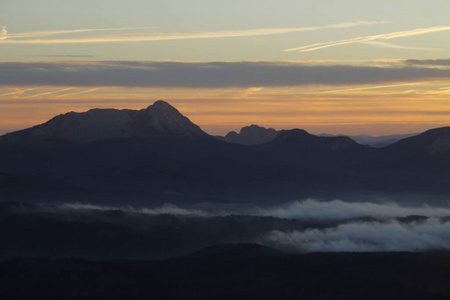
(157, 155)
(254, 135)
(376, 141)
(250, 135)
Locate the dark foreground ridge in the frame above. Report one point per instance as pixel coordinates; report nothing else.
(224, 276)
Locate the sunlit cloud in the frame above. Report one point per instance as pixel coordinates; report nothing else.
(367, 39)
(16, 92)
(393, 46)
(50, 93)
(371, 87)
(78, 93)
(29, 38)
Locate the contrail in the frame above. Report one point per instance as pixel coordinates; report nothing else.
(51, 93)
(365, 39)
(159, 36)
(34, 34)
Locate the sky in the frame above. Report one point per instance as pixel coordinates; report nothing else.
(326, 66)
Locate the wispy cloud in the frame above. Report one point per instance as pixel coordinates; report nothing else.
(393, 46)
(373, 87)
(17, 92)
(166, 209)
(50, 93)
(30, 38)
(367, 39)
(34, 34)
(78, 93)
(66, 56)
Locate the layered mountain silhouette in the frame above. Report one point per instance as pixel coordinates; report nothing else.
(254, 135)
(156, 155)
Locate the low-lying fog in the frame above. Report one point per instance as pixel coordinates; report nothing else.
(169, 230)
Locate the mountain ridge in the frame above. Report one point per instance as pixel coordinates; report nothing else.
(250, 135)
(157, 120)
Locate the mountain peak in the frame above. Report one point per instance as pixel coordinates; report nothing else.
(161, 104)
(158, 120)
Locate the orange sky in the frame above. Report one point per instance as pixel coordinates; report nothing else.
(375, 110)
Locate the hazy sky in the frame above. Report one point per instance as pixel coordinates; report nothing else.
(343, 66)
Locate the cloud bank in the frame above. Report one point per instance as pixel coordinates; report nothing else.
(432, 234)
(299, 227)
(340, 210)
(210, 74)
(300, 210)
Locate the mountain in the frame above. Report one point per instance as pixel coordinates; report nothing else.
(432, 142)
(250, 135)
(158, 120)
(380, 141)
(157, 155)
(374, 141)
(310, 141)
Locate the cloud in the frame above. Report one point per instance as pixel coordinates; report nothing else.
(3, 34)
(300, 210)
(166, 209)
(429, 62)
(370, 88)
(78, 93)
(432, 234)
(34, 34)
(367, 39)
(331, 226)
(67, 55)
(30, 38)
(393, 46)
(208, 74)
(50, 93)
(16, 92)
(340, 210)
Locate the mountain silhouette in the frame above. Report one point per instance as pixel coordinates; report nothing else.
(431, 142)
(156, 154)
(158, 120)
(300, 136)
(250, 135)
